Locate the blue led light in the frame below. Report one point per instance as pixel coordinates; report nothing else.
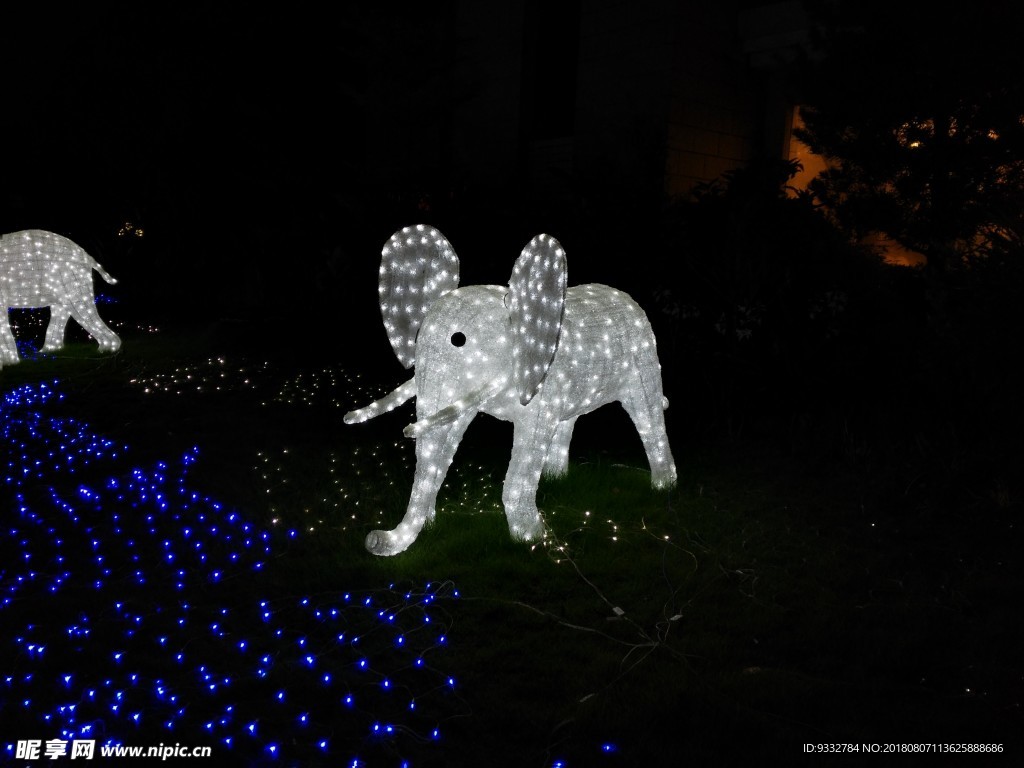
(152, 564)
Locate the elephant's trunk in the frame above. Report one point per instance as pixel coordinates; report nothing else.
(389, 402)
(469, 403)
(434, 452)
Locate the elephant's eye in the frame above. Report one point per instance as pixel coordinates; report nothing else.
(458, 339)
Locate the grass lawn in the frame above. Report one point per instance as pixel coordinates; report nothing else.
(182, 562)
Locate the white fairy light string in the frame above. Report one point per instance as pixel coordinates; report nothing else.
(43, 269)
(533, 353)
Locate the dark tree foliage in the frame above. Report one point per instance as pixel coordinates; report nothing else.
(921, 109)
(773, 301)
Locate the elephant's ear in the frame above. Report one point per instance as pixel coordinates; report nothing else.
(418, 265)
(536, 301)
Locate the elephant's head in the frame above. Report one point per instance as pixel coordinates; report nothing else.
(468, 345)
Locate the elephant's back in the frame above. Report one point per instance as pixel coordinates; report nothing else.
(36, 265)
(592, 311)
(606, 341)
(39, 244)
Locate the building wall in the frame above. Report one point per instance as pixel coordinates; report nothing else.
(674, 93)
(625, 70)
(714, 122)
(655, 96)
(483, 143)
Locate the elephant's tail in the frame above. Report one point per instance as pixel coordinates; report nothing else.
(103, 273)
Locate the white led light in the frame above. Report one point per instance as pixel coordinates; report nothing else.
(43, 269)
(506, 351)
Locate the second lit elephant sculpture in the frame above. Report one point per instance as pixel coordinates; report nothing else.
(533, 353)
(43, 269)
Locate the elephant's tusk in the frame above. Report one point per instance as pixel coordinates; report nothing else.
(447, 415)
(389, 402)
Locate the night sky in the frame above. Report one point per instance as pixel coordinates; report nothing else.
(269, 149)
(231, 135)
(284, 145)
(122, 105)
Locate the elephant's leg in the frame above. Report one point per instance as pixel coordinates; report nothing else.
(83, 309)
(435, 450)
(8, 347)
(556, 462)
(59, 314)
(646, 409)
(519, 493)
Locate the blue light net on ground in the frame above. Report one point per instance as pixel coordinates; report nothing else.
(136, 610)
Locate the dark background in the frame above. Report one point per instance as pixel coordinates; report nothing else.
(266, 153)
(231, 135)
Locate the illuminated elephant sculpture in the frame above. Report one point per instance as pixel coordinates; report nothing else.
(532, 353)
(40, 269)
